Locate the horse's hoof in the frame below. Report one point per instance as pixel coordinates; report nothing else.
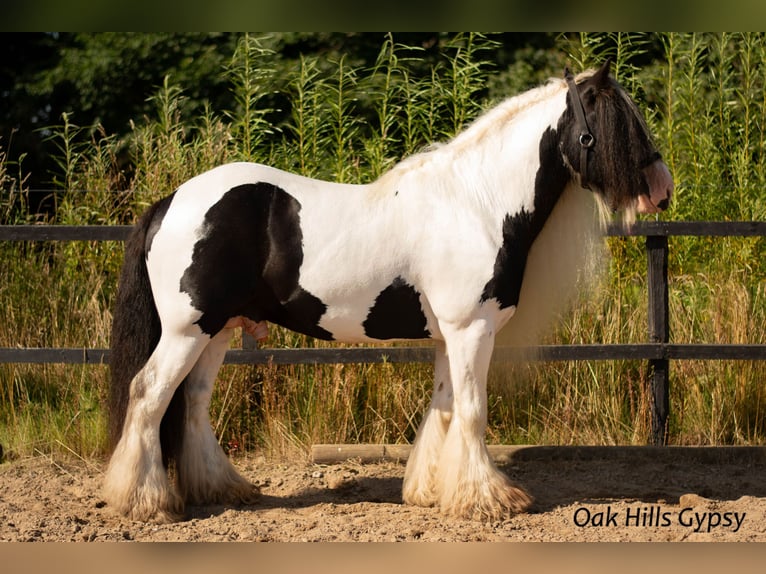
(497, 499)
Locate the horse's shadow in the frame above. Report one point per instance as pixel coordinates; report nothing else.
(662, 477)
(375, 490)
(642, 474)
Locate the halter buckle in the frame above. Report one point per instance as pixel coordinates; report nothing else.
(587, 140)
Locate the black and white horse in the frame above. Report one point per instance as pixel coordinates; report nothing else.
(436, 248)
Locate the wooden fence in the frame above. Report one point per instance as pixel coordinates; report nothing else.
(658, 350)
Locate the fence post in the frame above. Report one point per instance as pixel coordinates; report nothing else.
(659, 332)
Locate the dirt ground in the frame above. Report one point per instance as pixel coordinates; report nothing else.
(631, 494)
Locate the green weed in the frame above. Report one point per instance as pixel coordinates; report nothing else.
(332, 119)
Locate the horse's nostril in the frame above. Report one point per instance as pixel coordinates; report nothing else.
(663, 205)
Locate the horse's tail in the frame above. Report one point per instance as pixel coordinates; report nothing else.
(136, 330)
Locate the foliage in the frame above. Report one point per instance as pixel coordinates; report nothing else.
(107, 79)
(347, 107)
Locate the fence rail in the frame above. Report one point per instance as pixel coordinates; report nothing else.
(658, 351)
(425, 354)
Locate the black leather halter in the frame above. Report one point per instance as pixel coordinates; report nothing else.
(586, 138)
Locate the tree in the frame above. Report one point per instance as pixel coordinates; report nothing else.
(100, 79)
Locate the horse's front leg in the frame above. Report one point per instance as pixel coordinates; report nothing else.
(419, 477)
(469, 484)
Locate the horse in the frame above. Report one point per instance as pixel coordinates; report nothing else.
(435, 248)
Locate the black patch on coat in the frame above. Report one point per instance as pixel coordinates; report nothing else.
(397, 314)
(247, 263)
(511, 260)
(522, 228)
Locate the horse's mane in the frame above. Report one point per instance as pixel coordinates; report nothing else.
(496, 118)
(492, 121)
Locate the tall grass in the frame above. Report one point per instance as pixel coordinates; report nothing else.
(705, 106)
(332, 119)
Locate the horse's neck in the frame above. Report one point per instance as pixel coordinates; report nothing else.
(512, 166)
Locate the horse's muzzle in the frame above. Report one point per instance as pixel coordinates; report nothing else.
(660, 184)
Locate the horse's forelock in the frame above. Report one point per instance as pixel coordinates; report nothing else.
(623, 146)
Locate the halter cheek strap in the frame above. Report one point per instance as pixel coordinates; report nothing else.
(586, 138)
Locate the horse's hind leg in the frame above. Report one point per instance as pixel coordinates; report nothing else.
(419, 486)
(205, 474)
(469, 484)
(136, 482)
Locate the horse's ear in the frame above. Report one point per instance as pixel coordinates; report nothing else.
(601, 77)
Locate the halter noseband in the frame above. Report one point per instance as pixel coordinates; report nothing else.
(586, 138)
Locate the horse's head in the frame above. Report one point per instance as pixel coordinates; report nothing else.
(606, 142)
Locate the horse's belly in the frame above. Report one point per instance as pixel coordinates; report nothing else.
(396, 313)
(377, 309)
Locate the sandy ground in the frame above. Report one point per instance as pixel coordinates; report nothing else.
(580, 495)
